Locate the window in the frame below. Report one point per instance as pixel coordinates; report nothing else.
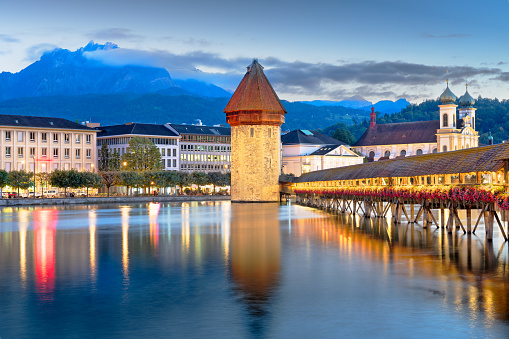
(163, 152)
(78, 138)
(89, 153)
(78, 153)
(252, 132)
(371, 155)
(89, 137)
(402, 153)
(55, 152)
(270, 133)
(445, 122)
(20, 152)
(32, 152)
(32, 136)
(435, 150)
(387, 154)
(55, 137)
(67, 151)
(7, 151)
(419, 151)
(174, 162)
(20, 136)
(473, 122)
(44, 137)
(44, 152)
(67, 137)
(168, 163)
(7, 135)
(174, 152)
(445, 148)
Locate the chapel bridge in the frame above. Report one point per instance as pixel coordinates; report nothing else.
(474, 179)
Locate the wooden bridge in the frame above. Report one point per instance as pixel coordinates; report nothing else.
(474, 179)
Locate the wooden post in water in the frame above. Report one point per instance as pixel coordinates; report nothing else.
(488, 222)
(469, 220)
(412, 217)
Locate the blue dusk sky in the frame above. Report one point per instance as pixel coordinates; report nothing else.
(318, 49)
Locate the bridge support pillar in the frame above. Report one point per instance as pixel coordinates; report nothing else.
(469, 220)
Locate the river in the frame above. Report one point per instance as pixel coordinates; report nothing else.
(222, 270)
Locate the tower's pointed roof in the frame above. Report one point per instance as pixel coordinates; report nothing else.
(448, 96)
(466, 100)
(255, 93)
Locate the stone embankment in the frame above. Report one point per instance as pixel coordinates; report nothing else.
(110, 200)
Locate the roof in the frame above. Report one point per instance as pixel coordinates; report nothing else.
(254, 93)
(136, 129)
(478, 159)
(308, 137)
(448, 96)
(415, 132)
(40, 122)
(202, 130)
(329, 148)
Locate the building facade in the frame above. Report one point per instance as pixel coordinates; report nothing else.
(255, 115)
(305, 151)
(166, 139)
(204, 148)
(41, 144)
(451, 132)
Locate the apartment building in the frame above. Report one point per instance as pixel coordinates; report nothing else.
(204, 148)
(43, 144)
(166, 139)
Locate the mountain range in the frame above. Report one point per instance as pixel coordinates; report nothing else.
(357, 102)
(76, 86)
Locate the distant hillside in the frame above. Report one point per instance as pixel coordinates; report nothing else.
(158, 108)
(491, 114)
(384, 106)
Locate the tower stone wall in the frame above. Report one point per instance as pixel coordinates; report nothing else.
(255, 163)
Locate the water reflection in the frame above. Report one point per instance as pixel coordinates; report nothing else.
(92, 229)
(45, 229)
(125, 243)
(255, 258)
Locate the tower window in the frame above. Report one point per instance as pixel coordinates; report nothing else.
(445, 148)
(445, 118)
(252, 132)
(270, 132)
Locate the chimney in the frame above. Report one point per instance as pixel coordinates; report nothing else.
(373, 117)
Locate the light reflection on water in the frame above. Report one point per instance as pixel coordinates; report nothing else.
(262, 270)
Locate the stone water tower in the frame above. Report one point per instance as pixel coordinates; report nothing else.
(255, 115)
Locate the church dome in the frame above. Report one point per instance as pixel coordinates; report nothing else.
(466, 100)
(447, 97)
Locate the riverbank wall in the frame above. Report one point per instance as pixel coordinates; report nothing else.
(110, 200)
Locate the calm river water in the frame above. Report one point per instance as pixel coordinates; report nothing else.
(226, 270)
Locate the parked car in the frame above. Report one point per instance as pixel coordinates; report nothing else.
(31, 194)
(12, 195)
(51, 193)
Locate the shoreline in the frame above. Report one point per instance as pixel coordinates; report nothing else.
(106, 200)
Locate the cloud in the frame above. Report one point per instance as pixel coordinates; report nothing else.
(34, 52)
(297, 78)
(115, 34)
(446, 36)
(8, 38)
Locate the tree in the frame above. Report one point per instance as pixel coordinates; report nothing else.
(114, 161)
(4, 180)
(199, 179)
(109, 179)
(183, 179)
(215, 179)
(20, 179)
(91, 180)
(104, 158)
(64, 179)
(344, 135)
(44, 180)
(142, 155)
(129, 179)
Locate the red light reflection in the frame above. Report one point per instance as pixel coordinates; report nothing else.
(45, 229)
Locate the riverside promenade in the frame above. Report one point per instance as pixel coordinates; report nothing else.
(110, 200)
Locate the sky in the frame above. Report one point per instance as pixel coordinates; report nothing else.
(311, 50)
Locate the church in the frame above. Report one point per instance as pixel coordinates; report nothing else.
(454, 130)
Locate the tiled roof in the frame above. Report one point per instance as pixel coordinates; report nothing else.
(308, 137)
(254, 93)
(135, 129)
(479, 159)
(40, 122)
(202, 130)
(400, 133)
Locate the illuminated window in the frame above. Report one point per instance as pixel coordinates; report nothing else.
(67, 138)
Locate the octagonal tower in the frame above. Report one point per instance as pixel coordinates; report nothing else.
(255, 115)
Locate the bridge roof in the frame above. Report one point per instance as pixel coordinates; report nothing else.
(479, 159)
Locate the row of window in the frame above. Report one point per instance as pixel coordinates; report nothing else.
(169, 162)
(205, 148)
(20, 136)
(445, 122)
(203, 167)
(44, 152)
(125, 140)
(206, 138)
(204, 157)
(166, 152)
(44, 167)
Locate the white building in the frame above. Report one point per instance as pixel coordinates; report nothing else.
(41, 144)
(166, 139)
(450, 133)
(305, 151)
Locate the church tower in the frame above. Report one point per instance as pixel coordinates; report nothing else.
(445, 134)
(255, 115)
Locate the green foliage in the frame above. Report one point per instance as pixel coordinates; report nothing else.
(4, 178)
(142, 155)
(183, 179)
(110, 179)
(104, 158)
(64, 179)
(129, 179)
(114, 161)
(343, 134)
(20, 179)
